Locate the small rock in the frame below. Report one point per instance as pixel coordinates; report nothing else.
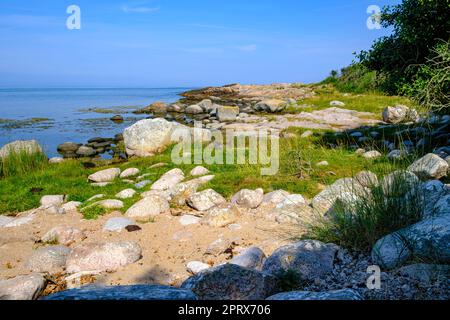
(248, 198)
(130, 172)
(372, 155)
(55, 200)
(148, 208)
(102, 257)
(48, 259)
(337, 104)
(71, 206)
(307, 134)
(199, 171)
(63, 235)
(205, 200)
(107, 175)
(252, 258)
(221, 216)
(323, 164)
(195, 267)
(118, 224)
(22, 287)
(169, 180)
(430, 167)
(188, 220)
(142, 184)
(126, 194)
(56, 160)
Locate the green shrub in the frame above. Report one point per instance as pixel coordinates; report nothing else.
(21, 162)
(354, 79)
(385, 208)
(431, 86)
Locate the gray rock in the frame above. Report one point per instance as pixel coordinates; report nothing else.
(367, 179)
(148, 208)
(426, 273)
(271, 105)
(310, 259)
(199, 171)
(372, 154)
(195, 267)
(20, 146)
(398, 114)
(427, 239)
(142, 184)
(430, 167)
(231, 282)
(307, 134)
(275, 197)
(5, 220)
(118, 224)
(325, 200)
(397, 154)
(291, 214)
(149, 137)
(110, 204)
(22, 287)
(71, 206)
(194, 109)
(130, 172)
(188, 220)
(227, 114)
(63, 235)
(107, 175)
(84, 151)
(205, 200)
(399, 182)
(346, 295)
(252, 258)
(126, 194)
(48, 259)
(56, 160)
(168, 180)
(102, 256)
(248, 198)
(137, 292)
(221, 216)
(337, 104)
(54, 200)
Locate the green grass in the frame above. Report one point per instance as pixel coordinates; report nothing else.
(298, 174)
(18, 163)
(384, 209)
(368, 102)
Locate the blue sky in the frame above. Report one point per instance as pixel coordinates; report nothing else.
(166, 43)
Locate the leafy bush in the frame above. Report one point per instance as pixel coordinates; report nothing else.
(22, 162)
(431, 86)
(354, 79)
(417, 27)
(386, 208)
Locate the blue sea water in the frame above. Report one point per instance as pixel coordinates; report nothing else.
(66, 109)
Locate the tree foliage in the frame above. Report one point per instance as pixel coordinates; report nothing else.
(418, 26)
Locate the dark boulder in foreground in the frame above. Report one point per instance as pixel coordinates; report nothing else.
(138, 292)
(231, 282)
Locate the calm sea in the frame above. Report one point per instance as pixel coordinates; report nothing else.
(68, 115)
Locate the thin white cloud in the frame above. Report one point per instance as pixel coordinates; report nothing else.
(247, 48)
(139, 9)
(28, 21)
